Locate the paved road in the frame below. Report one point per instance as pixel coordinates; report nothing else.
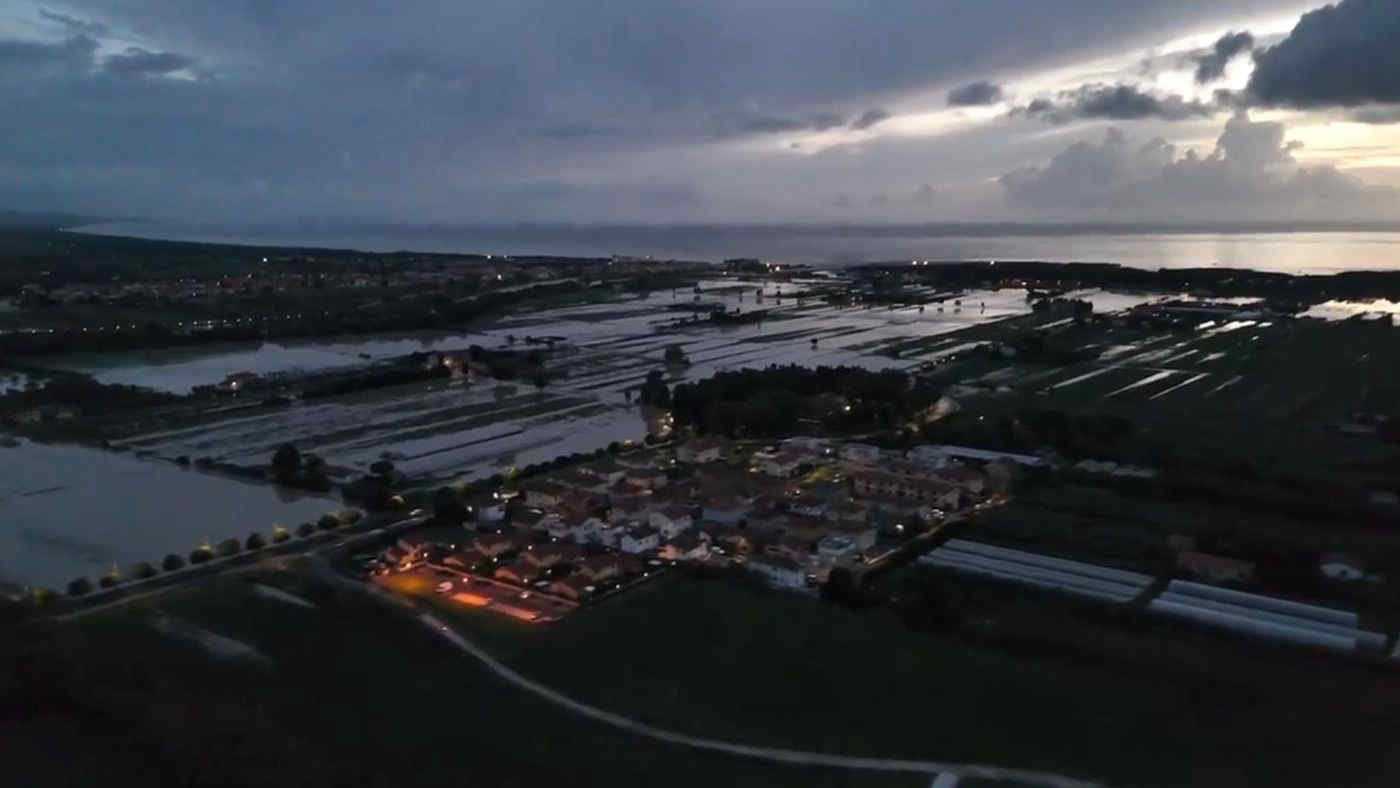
(771, 754)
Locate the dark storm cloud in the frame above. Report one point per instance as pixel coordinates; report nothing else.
(75, 25)
(1377, 116)
(1339, 55)
(1115, 102)
(338, 106)
(744, 123)
(975, 94)
(1211, 65)
(870, 117)
(18, 57)
(137, 62)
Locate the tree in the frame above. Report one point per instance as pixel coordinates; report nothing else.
(328, 522)
(654, 391)
(172, 563)
(286, 463)
(279, 534)
(447, 506)
(382, 468)
(229, 547)
(255, 541)
(305, 529)
(201, 554)
(614, 448)
(79, 587)
(651, 439)
(675, 356)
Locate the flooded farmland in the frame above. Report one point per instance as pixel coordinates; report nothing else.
(59, 505)
(439, 431)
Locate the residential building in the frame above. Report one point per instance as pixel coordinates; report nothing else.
(862, 535)
(576, 587)
(884, 485)
(583, 528)
(779, 571)
(724, 508)
(580, 502)
(518, 571)
(795, 548)
(640, 540)
(544, 494)
(810, 506)
(547, 555)
(861, 453)
(598, 568)
(605, 470)
(647, 478)
(702, 450)
(465, 559)
(672, 520)
(835, 548)
(685, 547)
(1215, 568)
(1336, 566)
(533, 520)
(630, 508)
(492, 545)
(782, 465)
(732, 541)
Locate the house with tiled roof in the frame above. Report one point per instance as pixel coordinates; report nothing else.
(492, 545)
(576, 587)
(599, 567)
(672, 520)
(703, 450)
(519, 571)
(544, 494)
(649, 478)
(640, 540)
(685, 547)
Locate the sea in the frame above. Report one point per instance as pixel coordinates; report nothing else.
(1293, 252)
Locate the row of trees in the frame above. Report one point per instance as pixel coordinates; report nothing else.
(204, 554)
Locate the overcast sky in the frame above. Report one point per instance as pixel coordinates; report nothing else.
(723, 110)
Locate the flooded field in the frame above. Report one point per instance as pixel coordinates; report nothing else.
(441, 430)
(67, 511)
(179, 371)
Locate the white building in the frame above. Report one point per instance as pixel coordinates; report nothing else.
(640, 540)
(779, 571)
(671, 520)
(1336, 566)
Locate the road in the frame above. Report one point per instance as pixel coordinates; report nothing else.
(770, 754)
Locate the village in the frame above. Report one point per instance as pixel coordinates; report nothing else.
(784, 514)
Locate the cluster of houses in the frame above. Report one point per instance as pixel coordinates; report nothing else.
(789, 512)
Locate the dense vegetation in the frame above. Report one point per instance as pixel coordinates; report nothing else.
(774, 401)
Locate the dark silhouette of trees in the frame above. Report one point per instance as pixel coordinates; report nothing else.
(79, 587)
(201, 554)
(305, 529)
(286, 463)
(172, 563)
(255, 541)
(654, 391)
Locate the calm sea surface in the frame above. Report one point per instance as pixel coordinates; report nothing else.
(1290, 252)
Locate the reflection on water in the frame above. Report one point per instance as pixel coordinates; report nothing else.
(1313, 252)
(180, 370)
(67, 511)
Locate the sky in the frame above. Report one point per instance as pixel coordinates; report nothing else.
(653, 111)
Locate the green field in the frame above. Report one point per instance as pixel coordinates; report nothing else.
(1186, 708)
(354, 696)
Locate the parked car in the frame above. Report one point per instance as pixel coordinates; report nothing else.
(444, 587)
